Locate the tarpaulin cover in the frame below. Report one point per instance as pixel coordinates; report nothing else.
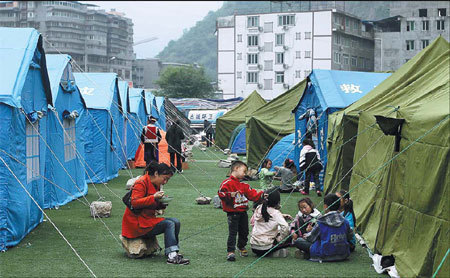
(104, 121)
(236, 116)
(125, 109)
(64, 167)
(281, 151)
(162, 112)
(234, 134)
(150, 104)
(22, 147)
(402, 206)
(238, 145)
(327, 92)
(271, 122)
(136, 121)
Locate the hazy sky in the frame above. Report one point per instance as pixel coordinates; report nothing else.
(164, 20)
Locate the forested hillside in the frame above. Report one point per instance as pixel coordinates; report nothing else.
(199, 44)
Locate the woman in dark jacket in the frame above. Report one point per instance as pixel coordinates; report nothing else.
(174, 136)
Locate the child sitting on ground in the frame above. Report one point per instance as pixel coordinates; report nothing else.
(269, 227)
(234, 195)
(306, 212)
(288, 175)
(346, 209)
(265, 175)
(329, 239)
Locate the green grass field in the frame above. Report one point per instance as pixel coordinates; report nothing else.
(204, 231)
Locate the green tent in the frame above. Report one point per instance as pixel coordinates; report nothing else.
(270, 123)
(400, 195)
(236, 116)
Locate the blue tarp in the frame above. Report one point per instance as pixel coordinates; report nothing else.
(136, 121)
(23, 85)
(162, 112)
(328, 91)
(124, 107)
(150, 104)
(283, 149)
(64, 168)
(238, 145)
(104, 123)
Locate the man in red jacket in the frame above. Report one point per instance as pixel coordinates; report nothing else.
(234, 195)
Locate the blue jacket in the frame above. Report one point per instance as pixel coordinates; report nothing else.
(330, 238)
(351, 221)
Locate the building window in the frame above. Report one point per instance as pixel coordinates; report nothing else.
(252, 77)
(337, 58)
(239, 74)
(440, 25)
(347, 22)
(69, 139)
(355, 24)
(345, 59)
(297, 54)
(252, 21)
(337, 39)
(268, 27)
(354, 43)
(252, 40)
(268, 65)
(239, 38)
(279, 39)
(410, 45)
(284, 20)
(239, 56)
(32, 139)
(298, 36)
(297, 74)
(30, 14)
(307, 54)
(425, 43)
(279, 58)
(442, 12)
(307, 35)
(353, 61)
(279, 77)
(252, 59)
(422, 12)
(268, 46)
(409, 26)
(425, 25)
(268, 84)
(361, 62)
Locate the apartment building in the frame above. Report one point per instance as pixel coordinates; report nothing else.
(97, 40)
(272, 52)
(411, 27)
(146, 71)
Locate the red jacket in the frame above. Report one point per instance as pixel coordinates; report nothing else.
(240, 202)
(133, 225)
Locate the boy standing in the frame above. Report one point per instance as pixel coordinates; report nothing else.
(330, 237)
(234, 195)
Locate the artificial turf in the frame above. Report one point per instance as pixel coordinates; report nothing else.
(203, 236)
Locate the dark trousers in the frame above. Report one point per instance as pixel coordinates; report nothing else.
(209, 138)
(172, 161)
(303, 245)
(150, 153)
(259, 253)
(315, 174)
(237, 225)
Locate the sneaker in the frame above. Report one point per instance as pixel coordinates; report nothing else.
(303, 192)
(243, 253)
(178, 259)
(319, 193)
(231, 257)
(298, 254)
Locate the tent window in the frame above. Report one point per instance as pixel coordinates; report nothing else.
(32, 140)
(69, 139)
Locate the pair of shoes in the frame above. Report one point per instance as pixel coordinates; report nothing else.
(231, 257)
(243, 253)
(303, 192)
(281, 253)
(298, 254)
(319, 193)
(178, 259)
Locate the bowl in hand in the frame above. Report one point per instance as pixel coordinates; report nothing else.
(165, 200)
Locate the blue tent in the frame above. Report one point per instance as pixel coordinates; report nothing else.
(283, 149)
(327, 92)
(150, 104)
(238, 145)
(160, 101)
(136, 121)
(24, 97)
(125, 109)
(101, 94)
(64, 167)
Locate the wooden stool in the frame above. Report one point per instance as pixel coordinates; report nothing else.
(140, 247)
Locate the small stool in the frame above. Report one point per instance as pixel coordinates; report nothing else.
(140, 247)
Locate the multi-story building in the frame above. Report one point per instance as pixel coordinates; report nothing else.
(97, 40)
(411, 27)
(272, 52)
(146, 72)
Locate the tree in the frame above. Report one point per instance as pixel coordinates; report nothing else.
(185, 82)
